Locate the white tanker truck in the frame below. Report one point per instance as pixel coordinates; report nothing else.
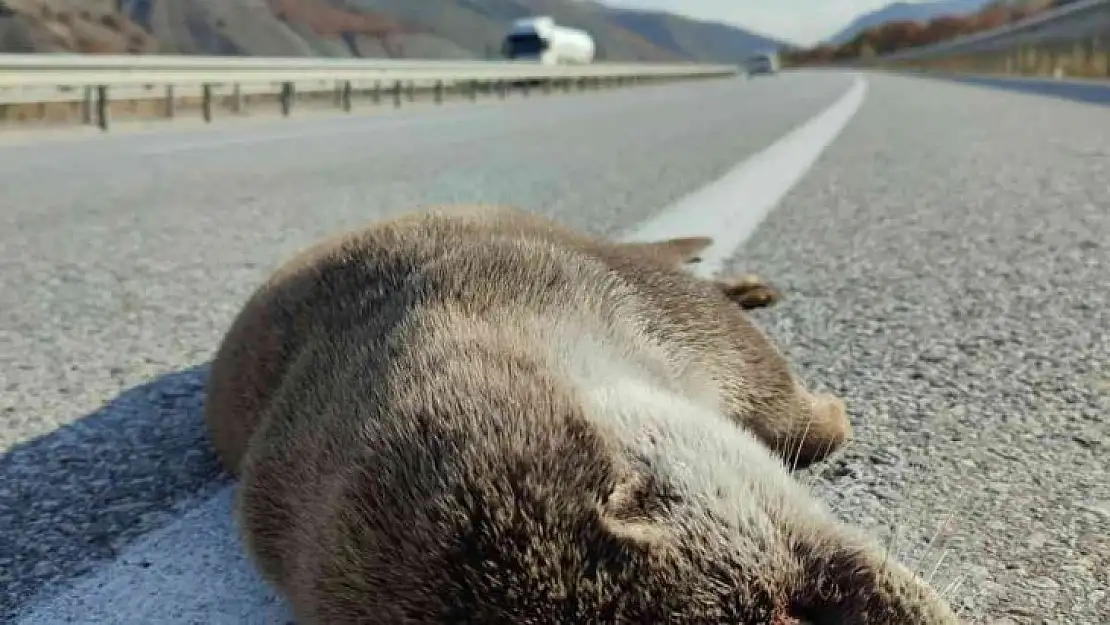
(540, 39)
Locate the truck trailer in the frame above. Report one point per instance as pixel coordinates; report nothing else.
(540, 39)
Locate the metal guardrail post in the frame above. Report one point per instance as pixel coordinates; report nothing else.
(87, 106)
(345, 97)
(398, 87)
(170, 109)
(438, 92)
(206, 103)
(376, 93)
(103, 108)
(286, 98)
(237, 99)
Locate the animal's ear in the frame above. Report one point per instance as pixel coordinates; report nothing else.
(630, 512)
(750, 292)
(678, 251)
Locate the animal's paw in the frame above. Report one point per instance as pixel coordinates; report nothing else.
(750, 291)
(825, 430)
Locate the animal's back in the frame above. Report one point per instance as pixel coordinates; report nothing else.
(485, 258)
(417, 370)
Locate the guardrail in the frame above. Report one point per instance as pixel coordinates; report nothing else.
(1070, 40)
(94, 82)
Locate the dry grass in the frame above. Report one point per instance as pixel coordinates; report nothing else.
(905, 34)
(1081, 59)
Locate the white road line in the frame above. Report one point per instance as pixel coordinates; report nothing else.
(730, 208)
(195, 571)
(192, 571)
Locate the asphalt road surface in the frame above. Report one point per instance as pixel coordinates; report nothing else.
(946, 262)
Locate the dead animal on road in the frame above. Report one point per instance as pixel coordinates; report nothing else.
(476, 415)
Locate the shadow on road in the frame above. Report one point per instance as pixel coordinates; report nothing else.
(77, 496)
(1094, 93)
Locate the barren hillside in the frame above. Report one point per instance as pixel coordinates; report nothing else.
(92, 26)
(363, 28)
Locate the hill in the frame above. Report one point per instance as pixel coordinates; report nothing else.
(359, 28)
(905, 12)
(693, 38)
(898, 35)
(91, 26)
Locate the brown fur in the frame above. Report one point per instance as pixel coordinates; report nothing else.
(748, 291)
(478, 416)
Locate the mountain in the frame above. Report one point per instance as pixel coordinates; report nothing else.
(92, 26)
(356, 28)
(694, 38)
(905, 11)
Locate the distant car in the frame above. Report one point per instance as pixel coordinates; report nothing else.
(763, 64)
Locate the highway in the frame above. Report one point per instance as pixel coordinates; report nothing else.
(944, 260)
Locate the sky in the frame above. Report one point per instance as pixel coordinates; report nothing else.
(803, 22)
